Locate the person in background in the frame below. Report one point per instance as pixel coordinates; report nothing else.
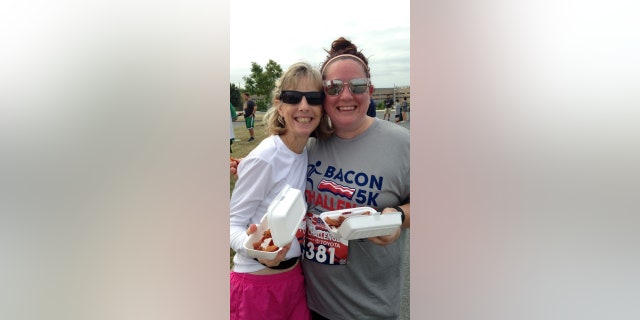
(234, 116)
(360, 279)
(249, 112)
(274, 289)
(405, 108)
(388, 103)
(371, 112)
(398, 111)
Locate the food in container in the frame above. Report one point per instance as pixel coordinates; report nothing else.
(278, 226)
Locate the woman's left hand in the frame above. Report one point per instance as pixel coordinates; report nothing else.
(388, 239)
(385, 240)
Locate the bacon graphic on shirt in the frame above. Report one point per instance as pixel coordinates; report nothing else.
(336, 189)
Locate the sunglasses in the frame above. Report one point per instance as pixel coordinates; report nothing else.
(356, 86)
(314, 98)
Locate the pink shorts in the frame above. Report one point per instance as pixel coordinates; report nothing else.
(278, 296)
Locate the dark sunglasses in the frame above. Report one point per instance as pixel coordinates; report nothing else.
(294, 97)
(357, 86)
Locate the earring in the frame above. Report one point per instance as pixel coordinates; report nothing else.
(281, 120)
(329, 124)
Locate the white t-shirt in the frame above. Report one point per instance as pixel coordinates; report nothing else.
(261, 176)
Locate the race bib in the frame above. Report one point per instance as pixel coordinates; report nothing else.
(321, 246)
(301, 233)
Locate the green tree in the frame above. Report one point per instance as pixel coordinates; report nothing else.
(261, 81)
(234, 97)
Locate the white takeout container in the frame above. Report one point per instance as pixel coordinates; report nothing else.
(283, 217)
(359, 225)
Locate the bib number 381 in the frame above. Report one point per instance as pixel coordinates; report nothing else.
(321, 246)
(320, 253)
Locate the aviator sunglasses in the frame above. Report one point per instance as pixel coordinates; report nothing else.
(356, 86)
(294, 97)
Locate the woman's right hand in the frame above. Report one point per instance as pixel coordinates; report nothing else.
(233, 166)
(280, 256)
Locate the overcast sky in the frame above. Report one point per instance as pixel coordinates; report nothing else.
(289, 31)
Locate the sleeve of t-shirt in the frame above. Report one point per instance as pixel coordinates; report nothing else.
(253, 184)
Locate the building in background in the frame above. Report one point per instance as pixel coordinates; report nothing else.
(398, 92)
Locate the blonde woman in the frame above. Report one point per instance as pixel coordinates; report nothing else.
(274, 289)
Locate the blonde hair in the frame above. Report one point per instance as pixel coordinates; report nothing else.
(289, 80)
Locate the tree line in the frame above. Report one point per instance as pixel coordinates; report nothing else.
(259, 84)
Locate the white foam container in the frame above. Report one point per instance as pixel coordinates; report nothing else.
(283, 217)
(358, 225)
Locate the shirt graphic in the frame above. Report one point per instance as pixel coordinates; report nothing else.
(330, 189)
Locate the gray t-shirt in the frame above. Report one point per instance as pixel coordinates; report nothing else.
(375, 167)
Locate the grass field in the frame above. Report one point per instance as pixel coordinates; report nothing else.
(240, 148)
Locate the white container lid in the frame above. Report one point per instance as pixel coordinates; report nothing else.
(284, 215)
(362, 222)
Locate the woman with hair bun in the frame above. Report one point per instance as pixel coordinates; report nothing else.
(365, 163)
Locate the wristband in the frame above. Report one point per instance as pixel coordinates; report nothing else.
(397, 208)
